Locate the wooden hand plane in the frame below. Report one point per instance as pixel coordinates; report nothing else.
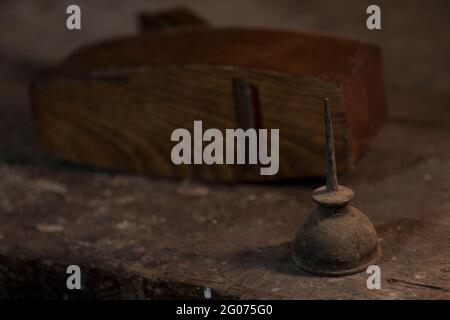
(114, 104)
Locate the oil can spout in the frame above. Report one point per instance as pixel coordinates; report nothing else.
(332, 195)
(332, 181)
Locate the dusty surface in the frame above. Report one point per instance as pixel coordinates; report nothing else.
(143, 237)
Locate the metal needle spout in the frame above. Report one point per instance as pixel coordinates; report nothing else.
(332, 182)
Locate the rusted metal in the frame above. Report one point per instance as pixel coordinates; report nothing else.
(332, 182)
(246, 101)
(336, 239)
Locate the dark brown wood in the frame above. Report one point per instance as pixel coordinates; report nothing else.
(169, 19)
(125, 97)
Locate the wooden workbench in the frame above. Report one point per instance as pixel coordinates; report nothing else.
(140, 237)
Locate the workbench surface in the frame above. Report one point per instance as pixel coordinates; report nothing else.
(140, 237)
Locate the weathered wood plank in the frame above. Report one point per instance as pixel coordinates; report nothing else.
(140, 237)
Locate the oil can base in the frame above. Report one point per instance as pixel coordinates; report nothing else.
(336, 243)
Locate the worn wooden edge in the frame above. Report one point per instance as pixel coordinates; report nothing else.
(29, 273)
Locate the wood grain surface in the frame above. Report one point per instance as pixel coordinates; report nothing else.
(124, 119)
